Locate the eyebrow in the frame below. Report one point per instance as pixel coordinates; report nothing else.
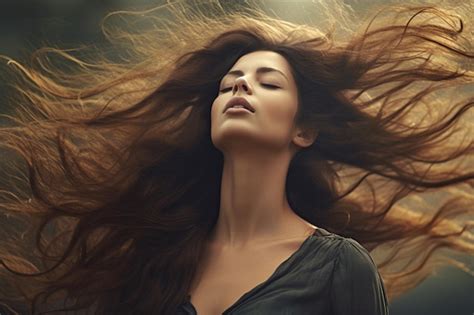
(259, 70)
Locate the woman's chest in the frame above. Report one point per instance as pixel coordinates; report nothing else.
(225, 277)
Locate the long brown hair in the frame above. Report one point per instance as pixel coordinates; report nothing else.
(112, 183)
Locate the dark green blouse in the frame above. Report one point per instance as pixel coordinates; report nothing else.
(328, 275)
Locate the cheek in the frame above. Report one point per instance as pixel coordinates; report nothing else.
(214, 108)
(282, 111)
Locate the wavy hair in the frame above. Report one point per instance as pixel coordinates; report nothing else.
(112, 184)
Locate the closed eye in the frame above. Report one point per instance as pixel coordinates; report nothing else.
(270, 85)
(273, 87)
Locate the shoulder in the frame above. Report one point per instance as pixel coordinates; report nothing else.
(354, 283)
(354, 256)
(357, 287)
(344, 250)
(350, 260)
(348, 257)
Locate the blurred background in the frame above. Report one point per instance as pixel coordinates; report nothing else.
(26, 25)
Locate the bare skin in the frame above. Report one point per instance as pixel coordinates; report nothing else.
(226, 275)
(256, 229)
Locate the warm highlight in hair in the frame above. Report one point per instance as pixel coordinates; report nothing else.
(111, 182)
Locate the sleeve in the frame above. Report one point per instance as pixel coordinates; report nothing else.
(357, 288)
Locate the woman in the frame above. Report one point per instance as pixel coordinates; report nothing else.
(149, 191)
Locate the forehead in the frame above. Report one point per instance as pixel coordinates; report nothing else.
(262, 58)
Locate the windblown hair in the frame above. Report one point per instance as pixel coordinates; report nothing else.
(112, 184)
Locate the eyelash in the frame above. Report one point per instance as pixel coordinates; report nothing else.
(273, 87)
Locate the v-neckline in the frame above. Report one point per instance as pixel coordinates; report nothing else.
(251, 291)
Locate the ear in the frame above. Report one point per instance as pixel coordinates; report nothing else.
(304, 138)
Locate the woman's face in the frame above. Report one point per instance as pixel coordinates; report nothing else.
(273, 96)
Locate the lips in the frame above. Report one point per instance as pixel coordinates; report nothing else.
(239, 101)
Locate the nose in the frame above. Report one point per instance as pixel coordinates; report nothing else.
(241, 84)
